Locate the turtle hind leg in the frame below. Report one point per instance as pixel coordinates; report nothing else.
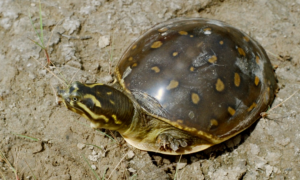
(167, 141)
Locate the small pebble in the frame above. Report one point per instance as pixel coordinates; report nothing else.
(80, 146)
(130, 154)
(104, 41)
(93, 167)
(131, 170)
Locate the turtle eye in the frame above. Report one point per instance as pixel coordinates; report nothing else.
(74, 99)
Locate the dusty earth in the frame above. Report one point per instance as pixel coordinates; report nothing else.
(85, 40)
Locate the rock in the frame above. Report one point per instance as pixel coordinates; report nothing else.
(130, 154)
(259, 162)
(93, 167)
(158, 160)
(104, 41)
(191, 172)
(254, 149)
(95, 156)
(71, 25)
(181, 164)
(80, 146)
(269, 170)
(131, 170)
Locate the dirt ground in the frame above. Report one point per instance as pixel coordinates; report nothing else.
(82, 37)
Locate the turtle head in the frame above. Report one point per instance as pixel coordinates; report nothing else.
(103, 105)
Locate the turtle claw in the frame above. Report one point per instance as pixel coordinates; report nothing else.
(168, 142)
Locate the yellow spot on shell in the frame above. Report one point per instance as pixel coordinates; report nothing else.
(109, 93)
(173, 84)
(257, 60)
(237, 79)
(134, 65)
(133, 47)
(130, 59)
(175, 53)
(256, 81)
(164, 29)
(251, 107)
(231, 111)
(156, 44)
(190, 129)
(155, 69)
(195, 98)
(212, 59)
(221, 42)
(214, 122)
(220, 85)
(179, 121)
(246, 38)
(192, 68)
(183, 33)
(191, 35)
(241, 51)
(112, 102)
(115, 119)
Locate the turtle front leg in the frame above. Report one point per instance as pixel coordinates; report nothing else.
(167, 141)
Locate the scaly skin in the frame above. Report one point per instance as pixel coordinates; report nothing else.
(106, 107)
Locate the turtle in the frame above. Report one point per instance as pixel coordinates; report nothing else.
(183, 86)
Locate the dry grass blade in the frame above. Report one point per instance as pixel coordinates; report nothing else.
(116, 166)
(103, 177)
(52, 73)
(74, 76)
(41, 35)
(115, 138)
(111, 54)
(263, 114)
(31, 170)
(2, 175)
(177, 167)
(27, 137)
(9, 164)
(277, 56)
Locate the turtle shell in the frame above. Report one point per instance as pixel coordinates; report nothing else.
(202, 76)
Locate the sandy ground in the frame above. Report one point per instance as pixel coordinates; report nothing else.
(82, 35)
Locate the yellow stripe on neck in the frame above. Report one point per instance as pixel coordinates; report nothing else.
(92, 114)
(93, 85)
(94, 99)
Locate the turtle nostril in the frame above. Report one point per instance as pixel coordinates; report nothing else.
(60, 92)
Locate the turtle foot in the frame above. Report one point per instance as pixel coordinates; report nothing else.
(168, 142)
